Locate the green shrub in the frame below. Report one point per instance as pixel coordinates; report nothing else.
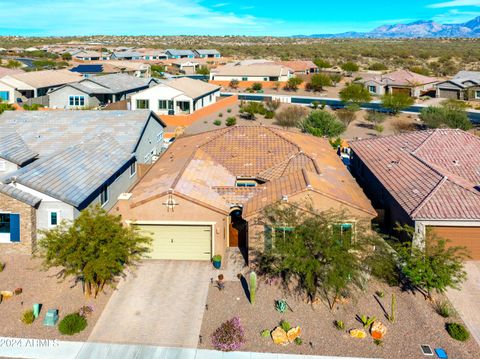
(229, 110)
(444, 308)
(298, 341)
(340, 325)
(285, 325)
(265, 333)
(257, 86)
(220, 114)
(378, 66)
(28, 317)
(217, 122)
(2, 266)
(269, 115)
(457, 331)
(231, 121)
(72, 324)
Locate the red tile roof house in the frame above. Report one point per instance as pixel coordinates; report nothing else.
(204, 194)
(426, 179)
(401, 81)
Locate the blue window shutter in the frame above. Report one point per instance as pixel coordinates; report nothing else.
(15, 228)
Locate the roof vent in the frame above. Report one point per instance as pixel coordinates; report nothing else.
(284, 197)
(456, 162)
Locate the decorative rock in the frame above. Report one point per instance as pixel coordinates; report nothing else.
(358, 333)
(6, 294)
(279, 336)
(293, 334)
(378, 330)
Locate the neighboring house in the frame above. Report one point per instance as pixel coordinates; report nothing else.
(137, 69)
(150, 55)
(205, 54)
(255, 72)
(205, 193)
(89, 70)
(180, 96)
(463, 86)
(180, 54)
(60, 162)
(126, 55)
(19, 87)
(300, 67)
(98, 91)
(185, 66)
(428, 180)
(401, 81)
(88, 55)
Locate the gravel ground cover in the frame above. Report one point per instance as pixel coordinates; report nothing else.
(39, 286)
(416, 323)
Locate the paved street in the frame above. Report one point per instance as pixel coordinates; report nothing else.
(161, 304)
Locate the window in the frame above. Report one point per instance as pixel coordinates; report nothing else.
(133, 169)
(4, 95)
(5, 223)
(477, 94)
(344, 232)
(244, 78)
(184, 105)
(143, 104)
(53, 219)
(78, 101)
(162, 104)
(3, 166)
(160, 137)
(276, 233)
(372, 89)
(265, 79)
(104, 195)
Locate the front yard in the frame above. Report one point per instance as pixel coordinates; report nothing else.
(416, 323)
(38, 286)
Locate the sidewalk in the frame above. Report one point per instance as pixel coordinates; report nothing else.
(55, 349)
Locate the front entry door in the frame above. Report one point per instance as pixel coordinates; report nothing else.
(233, 236)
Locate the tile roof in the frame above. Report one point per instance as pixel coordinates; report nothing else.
(180, 52)
(14, 149)
(207, 52)
(111, 84)
(432, 174)
(205, 168)
(192, 88)
(4, 71)
(45, 78)
(298, 65)
(20, 195)
(401, 78)
(269, 70)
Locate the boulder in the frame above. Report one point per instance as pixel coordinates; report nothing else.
(279, 336)
(358, 333)
(293, 334)
(378, 330)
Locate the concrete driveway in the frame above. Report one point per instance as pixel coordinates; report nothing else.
(161, 303)
(467, 300)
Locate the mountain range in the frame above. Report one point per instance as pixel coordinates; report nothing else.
(417, 29)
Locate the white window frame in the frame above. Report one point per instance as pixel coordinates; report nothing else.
(78, 100)
(105, 190)
(50, 218)
(134, 167)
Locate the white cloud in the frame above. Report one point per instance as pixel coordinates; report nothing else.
(455, 16)
(456, 3)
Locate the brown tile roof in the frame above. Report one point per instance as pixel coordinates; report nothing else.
(298, 65)
(205, 168)
(431, 174)
(401, 78)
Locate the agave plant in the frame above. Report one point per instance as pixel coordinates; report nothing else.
(281, 305)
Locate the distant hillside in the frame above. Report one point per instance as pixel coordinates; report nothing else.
(417, 29)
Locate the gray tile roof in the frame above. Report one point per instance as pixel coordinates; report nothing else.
(20, 195)
(126, 54)
(180, 52)
(48, 132)
(465, 76)
(76, 172)
(111, 84)
(14, 149)
(207, 52)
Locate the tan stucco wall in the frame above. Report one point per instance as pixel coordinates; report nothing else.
(27, 226)
(184, 211)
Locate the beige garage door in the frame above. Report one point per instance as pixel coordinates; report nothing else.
(179, 242)
(445, 93)
(468, 237)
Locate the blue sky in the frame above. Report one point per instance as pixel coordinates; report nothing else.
(220, 17)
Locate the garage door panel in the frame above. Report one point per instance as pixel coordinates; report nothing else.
(468, 237)
(179, 242)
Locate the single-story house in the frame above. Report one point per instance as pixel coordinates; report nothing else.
(85, 55)
(150, 55)
(206, 54)
(401, 81)
(88, 70)
(57, 163)
(134, 68)
(255, 72)
(300, 67)
(98, 91)
(126, 55)
(463, 86)
(19, 87)
(180, 96)
(426, 179)
(180, 54)
(206, 192)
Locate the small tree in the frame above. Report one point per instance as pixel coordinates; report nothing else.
(234, 84)
(322, 64)
(397, 102)
(257, 86)
(293, 83)
(96, 248)
(322, 123)
(13, 64)
(318, 82)
(66, 56)
(336, 78)
(445, 116)
(355, 93)
(291, 116)
(435, 267)
(350, 67)
(203, 70)
(346, 115)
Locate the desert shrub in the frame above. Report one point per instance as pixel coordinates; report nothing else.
(285, 325)
(445, 116)
(293, 83)
(234, 84)
(322, 123)
(397, 102)
(28, 317)
(33, 107)
(322, 64)
(220, 114)
(444, 308)
(457, 331)
(269, 115)
(420, 70)
(402, 126)
(298, 341)
(231, 121)
(290, 116)
(340, 325)
(229, 110)
(217, 122)
(229, 336)
(257, 86)
(384, 267)
(378, 66)
(72, 324)
(272, 105)
(86, 310)
(2, 266)
(346, 116)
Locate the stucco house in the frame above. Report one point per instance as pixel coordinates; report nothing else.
(22, 86)
(463, 86)
(207, 54)
(426, 179)
(401, 81)
(180, 54)
(300, 67)
(98, 91)
(54, 164)
(204, 193)
(255, 72)
(180, 96)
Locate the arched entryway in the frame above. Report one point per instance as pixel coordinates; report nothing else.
(238, 232)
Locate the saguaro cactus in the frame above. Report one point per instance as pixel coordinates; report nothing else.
(253, 287)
